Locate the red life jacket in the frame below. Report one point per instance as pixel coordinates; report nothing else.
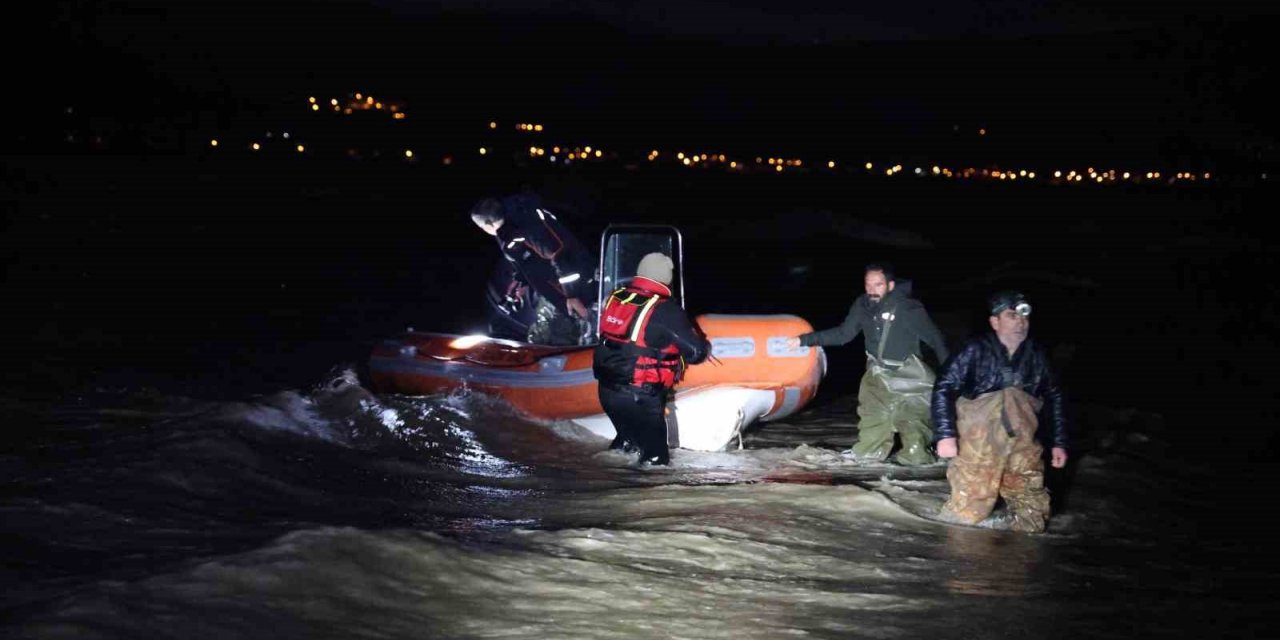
(623, 354)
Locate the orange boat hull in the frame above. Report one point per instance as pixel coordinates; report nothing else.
(556, 383)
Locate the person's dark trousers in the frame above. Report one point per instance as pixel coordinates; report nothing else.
(637, 414)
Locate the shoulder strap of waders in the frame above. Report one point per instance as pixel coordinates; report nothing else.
(884, 334)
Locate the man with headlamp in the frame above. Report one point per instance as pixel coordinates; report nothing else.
(985, 411)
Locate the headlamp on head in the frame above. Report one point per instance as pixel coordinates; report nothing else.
(1010, 300)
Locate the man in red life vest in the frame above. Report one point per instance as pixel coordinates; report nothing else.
(646, 343)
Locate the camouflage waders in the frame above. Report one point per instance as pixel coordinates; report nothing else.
(998, 455)
(895, 401)
(553, 327)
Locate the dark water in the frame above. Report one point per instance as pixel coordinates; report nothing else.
(189, 451)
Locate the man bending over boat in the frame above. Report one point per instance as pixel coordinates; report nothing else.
(551, 266)
(894, 395)
(646, 343)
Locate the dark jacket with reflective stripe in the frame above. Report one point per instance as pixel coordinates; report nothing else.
(983, 366)
(911, 326)
(545, 253)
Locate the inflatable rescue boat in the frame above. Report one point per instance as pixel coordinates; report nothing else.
(753, 374)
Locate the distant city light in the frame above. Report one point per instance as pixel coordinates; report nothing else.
(777, 163)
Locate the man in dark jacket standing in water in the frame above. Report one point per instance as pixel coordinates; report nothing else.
(552, 270)
(985, 409)
(895, 390)
(646, 341)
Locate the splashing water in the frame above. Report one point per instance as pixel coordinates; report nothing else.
(338, 513)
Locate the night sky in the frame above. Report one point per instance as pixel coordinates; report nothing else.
(1050, 82)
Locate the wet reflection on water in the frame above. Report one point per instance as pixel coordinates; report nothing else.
(994, 563)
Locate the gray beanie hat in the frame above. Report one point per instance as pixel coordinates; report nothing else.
(656, 267)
